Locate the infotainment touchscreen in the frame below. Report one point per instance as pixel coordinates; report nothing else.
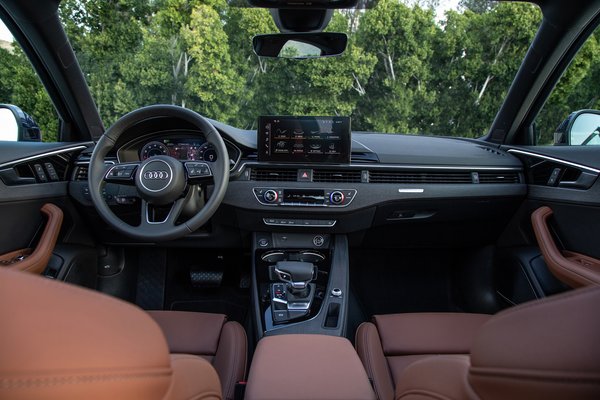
(304, 139)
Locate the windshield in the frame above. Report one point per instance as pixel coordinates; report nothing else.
(409, 67)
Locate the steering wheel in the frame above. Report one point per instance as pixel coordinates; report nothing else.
(161, 181)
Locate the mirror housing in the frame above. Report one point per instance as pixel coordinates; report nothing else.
(17, 125)
(300, 45)
(581, 128)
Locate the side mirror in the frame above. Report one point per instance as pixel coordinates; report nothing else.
(300, 45)
(581, 128)
(16, 125)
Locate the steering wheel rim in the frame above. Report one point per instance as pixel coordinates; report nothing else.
(166, 230)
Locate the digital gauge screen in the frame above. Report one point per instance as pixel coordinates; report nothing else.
(304, 139)
(181, 149)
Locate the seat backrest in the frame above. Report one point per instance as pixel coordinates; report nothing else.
(545, 349)
(58, 341)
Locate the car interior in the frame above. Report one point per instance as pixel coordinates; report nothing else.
(170, 255)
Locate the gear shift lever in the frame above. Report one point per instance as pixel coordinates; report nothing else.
(292, 300)
(297, 275)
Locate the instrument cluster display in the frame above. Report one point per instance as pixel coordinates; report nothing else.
(180, 149)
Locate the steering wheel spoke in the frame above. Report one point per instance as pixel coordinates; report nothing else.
(197, 171)
(122, 173)
(151, 215)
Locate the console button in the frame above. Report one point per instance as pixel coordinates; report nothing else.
(280, 316)
(318, 241)
(270, 196)
(336, 197)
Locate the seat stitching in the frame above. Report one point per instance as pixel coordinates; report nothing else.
(16, 383)
(423, 392)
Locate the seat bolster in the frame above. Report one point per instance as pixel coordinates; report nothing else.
(193, 378)
(370, 351)
(436, 377)
(544, 349)
(428, 333)
(190, 332)
(231, 357)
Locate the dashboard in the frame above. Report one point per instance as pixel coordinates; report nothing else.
(374, 182)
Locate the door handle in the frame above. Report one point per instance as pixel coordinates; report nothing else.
(572, 268)
(36, 260)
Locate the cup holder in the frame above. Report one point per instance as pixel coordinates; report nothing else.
(309, 256)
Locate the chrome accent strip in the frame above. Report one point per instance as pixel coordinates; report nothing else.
(411, 190)
(38, 156)
(306, 226)
(557, 160)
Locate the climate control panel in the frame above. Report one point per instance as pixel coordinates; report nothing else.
(304, 197)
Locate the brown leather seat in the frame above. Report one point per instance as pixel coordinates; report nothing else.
(546, 349)
(211, 337)
(392, 342)
(59, 341)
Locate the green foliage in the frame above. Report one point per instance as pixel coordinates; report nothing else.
(20, 86)
(402, 71)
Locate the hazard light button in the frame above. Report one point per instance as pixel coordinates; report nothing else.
(305, 175)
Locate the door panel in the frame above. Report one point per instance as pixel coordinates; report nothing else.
(574, 223)
(27, 184)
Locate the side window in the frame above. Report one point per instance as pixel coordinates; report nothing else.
(26, 111)
(571, 116)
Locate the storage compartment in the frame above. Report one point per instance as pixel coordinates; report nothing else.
(317, 367)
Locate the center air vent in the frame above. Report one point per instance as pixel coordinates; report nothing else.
(274, 174)
(336, 176)
(419, 177)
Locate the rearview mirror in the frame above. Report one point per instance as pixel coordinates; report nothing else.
(581, 128)
(16, 125)
(300, 45)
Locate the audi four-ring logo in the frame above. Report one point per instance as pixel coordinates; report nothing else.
(156, 175)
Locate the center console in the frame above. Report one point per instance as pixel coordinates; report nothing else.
(300, 280)
(300, 283)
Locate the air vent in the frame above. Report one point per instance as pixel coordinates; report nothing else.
(81, 173)
(336, 176)
(419, 177)
(274, 175)
(499, 177)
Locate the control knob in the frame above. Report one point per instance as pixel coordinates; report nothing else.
(270, 196)
(336, 197)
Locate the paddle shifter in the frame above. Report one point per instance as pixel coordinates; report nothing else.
(292, 298)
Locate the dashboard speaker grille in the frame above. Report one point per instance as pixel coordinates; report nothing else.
(274, 175)
(336, 176)
(419, 177)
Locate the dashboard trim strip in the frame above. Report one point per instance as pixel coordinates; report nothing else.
(376, 166)
(556, 160)
(43, 155)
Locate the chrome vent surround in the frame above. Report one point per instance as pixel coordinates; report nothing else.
(333, 176)
(274, 174)
(419, 177)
